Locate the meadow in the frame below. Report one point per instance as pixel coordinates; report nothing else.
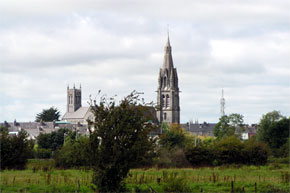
(41, 176)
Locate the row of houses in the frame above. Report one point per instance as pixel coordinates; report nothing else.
(36, 128)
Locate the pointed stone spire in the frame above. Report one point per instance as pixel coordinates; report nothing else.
(168, 62)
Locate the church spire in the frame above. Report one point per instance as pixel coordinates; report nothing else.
(168, 62)
(168, 91)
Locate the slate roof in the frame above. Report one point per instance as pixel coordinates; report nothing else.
(246, 130)
(79, 114)
(199, 129)
(32, 128)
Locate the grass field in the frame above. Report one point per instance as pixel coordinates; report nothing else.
(41, 176)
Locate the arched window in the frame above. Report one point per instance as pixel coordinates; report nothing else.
(164, 116)
(162, 101)
(167, 101)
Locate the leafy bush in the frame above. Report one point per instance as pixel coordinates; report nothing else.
(255, 152)
(74, 153)
(171, 158)
(53, 140)
(174, 136)
(228, 150)
(199, 155)
(41, 153)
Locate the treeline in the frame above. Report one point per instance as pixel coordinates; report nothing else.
(174, 148)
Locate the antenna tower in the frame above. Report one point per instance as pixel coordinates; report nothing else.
(223, 102)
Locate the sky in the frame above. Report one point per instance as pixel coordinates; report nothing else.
(115, 46)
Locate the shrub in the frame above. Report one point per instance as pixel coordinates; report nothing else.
(199, 155)
(74, 153)
(42, 153)
(228, 151)
(255, 152)
(171, 158)
(174, 136)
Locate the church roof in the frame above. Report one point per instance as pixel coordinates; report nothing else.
(78, 114)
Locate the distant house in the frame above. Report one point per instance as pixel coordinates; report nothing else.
(36, 128)
(247, 131)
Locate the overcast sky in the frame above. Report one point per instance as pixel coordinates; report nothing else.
(118, 46)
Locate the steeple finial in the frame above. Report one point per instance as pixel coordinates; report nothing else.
(168, 41)
(168, 63)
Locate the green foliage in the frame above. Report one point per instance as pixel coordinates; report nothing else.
(69, 180)
(15, 150)
(199, 155)
(173, 157)
(174, 136)
(51, 114)
(41, 153)
(227, 125)
(119, 137)
(53, 140)
(274, 130)
(175, 183)
(255, 152)
(228, 150)
(74, 153)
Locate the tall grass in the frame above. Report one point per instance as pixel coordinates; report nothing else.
(41, 176)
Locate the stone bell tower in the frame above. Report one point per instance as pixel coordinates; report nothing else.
(168, 91)
(74, 99)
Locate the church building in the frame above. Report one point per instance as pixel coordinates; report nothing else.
(76, 114)
(168, 91)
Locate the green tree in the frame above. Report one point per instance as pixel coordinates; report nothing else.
(273, 129)
(227, 125)
(51, 114)
(119, 136)
(15, 150)
(228, 150)
(74, 153)
(174, 136)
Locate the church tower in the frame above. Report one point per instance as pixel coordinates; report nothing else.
(74, 99)
(168, 91)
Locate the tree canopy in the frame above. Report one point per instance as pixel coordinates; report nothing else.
(51, 114)
(227, 125)
(15, 149)
(173, 136)
(119, 137)
(274, 129)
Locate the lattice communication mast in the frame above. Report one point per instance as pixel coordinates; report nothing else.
(223, 102)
